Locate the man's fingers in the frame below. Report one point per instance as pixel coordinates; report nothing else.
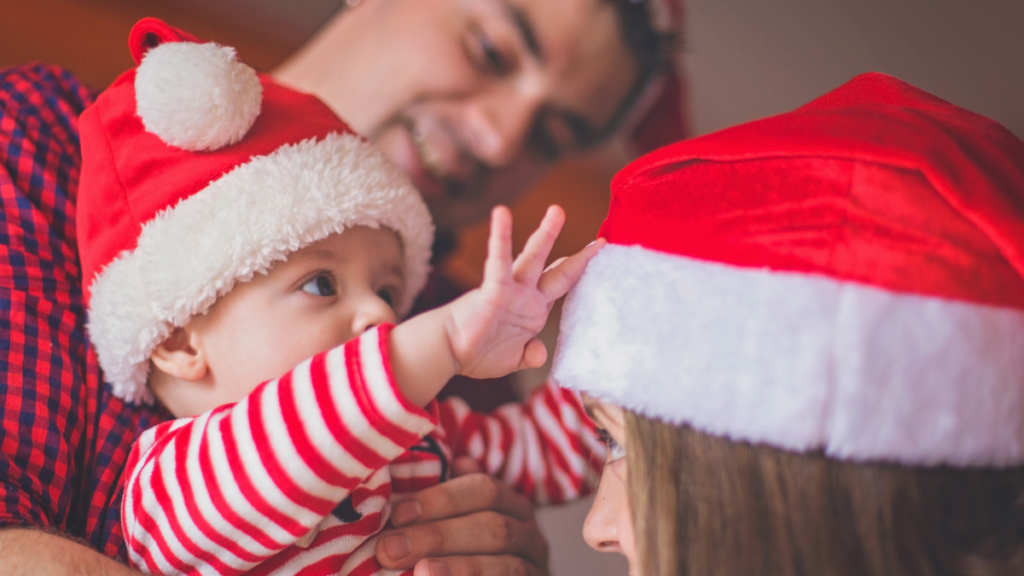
(530, 262)
(558, 279)
(504, 565)
(474, 534)
(459, 496)
(498, 266)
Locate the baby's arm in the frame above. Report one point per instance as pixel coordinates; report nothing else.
(223, 492)
(546, 448)
(491, 330)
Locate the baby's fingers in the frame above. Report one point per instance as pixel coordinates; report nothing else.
(530, 262)
(563, 275)
(534, 355)
(498, 267)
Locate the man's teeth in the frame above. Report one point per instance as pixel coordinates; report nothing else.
(430, 156)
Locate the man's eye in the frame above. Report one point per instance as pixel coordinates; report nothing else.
(321, 285)
(487, 53)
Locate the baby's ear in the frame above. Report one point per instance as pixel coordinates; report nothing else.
(181, 356)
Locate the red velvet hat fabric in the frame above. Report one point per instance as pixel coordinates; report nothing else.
(844, 279)
(876, 182)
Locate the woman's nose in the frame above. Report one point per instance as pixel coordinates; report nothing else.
(371, 310)
(600, 529)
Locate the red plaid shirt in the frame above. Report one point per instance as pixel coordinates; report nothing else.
(65, 437)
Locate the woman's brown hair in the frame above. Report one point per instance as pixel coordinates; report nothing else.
(708, 506)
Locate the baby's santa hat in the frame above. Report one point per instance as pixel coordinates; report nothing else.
(198, 173)
(847, 277)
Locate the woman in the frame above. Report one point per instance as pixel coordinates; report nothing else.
(808, 334)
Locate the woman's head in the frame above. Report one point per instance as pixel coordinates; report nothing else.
(703, 504)
(815, 323)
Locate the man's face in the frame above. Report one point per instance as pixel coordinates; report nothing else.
(474, 98)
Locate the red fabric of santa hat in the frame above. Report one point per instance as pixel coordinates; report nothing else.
(197, 173)
(846, 277)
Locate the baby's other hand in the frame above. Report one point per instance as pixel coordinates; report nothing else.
(492, 329)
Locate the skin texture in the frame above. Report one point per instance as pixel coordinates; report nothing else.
(609, 524)
(323, 295)
(457, 92)
(32, 552)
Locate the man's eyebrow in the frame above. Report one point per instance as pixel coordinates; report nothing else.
(526, 31)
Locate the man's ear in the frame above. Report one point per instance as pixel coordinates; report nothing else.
(181, 355)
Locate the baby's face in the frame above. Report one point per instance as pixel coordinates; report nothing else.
(324, 295)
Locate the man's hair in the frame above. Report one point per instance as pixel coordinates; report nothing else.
(652, 52)
(707, 505)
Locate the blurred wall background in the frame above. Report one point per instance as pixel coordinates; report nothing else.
(745, 60)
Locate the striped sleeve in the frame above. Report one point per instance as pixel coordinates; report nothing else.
(222, 492)
(546, 447)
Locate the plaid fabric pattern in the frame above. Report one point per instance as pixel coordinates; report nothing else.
(65, 438)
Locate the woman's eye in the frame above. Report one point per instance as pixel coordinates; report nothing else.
(321, 285)
(615, 451)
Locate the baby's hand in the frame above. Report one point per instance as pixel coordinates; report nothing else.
(491, 330)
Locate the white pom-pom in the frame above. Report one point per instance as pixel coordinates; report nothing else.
(197, 96)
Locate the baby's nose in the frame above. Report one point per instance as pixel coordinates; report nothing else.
(371, 311)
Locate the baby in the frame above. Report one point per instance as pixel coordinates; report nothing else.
(245, 257)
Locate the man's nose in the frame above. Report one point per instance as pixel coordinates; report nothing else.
(500, 122)
(371, 310)
(600, 529)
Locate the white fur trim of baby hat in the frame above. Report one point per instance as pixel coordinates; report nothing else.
(240, 225)
(197, 97)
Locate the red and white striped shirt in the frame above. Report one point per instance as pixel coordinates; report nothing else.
(296, 478)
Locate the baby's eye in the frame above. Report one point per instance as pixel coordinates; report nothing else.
(321, 285)
(388, 296)
(615, 451)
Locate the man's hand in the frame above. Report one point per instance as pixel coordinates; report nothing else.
(469, 526)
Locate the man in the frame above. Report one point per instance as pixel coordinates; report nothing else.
(473, 98)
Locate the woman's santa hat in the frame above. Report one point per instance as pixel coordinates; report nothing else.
(847, 277)
(198, 173)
